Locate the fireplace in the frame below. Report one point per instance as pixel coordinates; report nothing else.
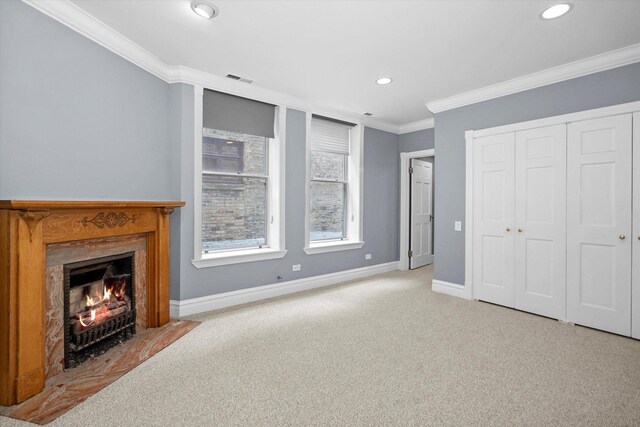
(37, 239)
(99, 306)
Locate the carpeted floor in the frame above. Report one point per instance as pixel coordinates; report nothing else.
(380, 351)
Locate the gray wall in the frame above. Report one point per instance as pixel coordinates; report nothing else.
(416, 141)
(381, 199)
(76, 120)
(79, 122)
(602, 89)
(181, 160)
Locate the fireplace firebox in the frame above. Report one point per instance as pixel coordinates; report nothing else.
(99, 304)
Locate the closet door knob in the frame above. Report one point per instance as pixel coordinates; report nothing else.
(520, 230)
(508, 229)
(621, 237)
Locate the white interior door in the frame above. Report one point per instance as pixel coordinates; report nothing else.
(635, 287)
(421, 213)
(599, 223)
(540, 220)
(493, 234)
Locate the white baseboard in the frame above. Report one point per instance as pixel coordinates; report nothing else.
(453, 289)
(214, 302)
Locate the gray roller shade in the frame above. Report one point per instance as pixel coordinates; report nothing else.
(235, 114)
(330, 135)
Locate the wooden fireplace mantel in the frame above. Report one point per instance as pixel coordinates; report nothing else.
(26, 228)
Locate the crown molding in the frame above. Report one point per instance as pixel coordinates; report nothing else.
(416, 126)
(381, 125)
(605, 61)
(83, 23)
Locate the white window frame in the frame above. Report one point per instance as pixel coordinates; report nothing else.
(275, 247)
(354, 223)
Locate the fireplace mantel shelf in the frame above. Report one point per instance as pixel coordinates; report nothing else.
(26, 228)
(85, 204)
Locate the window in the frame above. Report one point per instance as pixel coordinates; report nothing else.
(333, 205)
(234, 190)
(220, 152)
(241, 182)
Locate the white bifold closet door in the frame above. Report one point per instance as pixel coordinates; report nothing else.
(599, 236)
(540, 206)
(635, 286)
(519, 240)
(493, 234)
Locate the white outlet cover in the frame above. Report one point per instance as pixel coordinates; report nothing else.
(296, 267)
(367, 256)
(457, 225)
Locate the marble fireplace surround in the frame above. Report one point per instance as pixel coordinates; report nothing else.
(59, 254)
(36, 239)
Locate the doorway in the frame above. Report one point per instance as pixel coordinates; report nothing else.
(421, 212)
(417, 217)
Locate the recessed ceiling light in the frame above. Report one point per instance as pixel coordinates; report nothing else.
(556, 11)
(384, 80)
(204, 8)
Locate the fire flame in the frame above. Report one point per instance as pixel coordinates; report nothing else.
(93, 317)
(107, 294)
(117, 290)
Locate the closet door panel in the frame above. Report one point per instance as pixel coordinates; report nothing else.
(540, 218)
(635, 291)
(599, 223)
(493, 235)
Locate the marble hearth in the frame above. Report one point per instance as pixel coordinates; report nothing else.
(36, 239)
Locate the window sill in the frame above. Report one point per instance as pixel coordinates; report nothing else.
(324, 247)
(237, 257)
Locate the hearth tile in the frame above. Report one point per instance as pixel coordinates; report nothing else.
(54, 321)
(68, 389)
(140, 262)
(82, 250)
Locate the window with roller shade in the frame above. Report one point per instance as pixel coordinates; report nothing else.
(237, 142)
(329, 190)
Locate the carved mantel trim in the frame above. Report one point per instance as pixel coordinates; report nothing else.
(110, 219)
(26, 228)
(165, 212)
(32, 219)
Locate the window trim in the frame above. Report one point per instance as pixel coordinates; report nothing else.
(354, 223)
(275, 195)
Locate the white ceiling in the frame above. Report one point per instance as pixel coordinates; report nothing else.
(331, 52)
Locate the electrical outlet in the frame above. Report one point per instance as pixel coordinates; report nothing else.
(367, 256)
(296, 267)
(457, 225)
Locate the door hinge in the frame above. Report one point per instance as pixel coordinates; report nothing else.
(410, 254)
(410, 169)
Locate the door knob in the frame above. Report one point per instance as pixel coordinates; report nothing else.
(520, 230)
(508, 229)
(621, 237)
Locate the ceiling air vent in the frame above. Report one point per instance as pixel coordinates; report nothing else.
(242, 79)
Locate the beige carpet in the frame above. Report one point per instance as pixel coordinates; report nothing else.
(381, 351)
